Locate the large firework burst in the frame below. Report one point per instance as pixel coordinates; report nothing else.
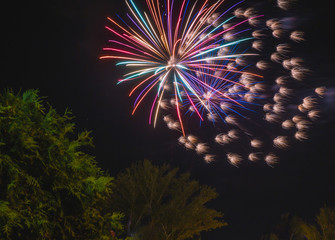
(169, 49)
(214, 65)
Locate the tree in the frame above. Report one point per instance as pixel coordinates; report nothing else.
(49, 187)
(294, 228)
(325, 227)
(161, 205)
(287, 228)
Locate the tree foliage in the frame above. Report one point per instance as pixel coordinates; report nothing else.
(294, 228)
(158, 204)
(287, 228)
(324, 229)
(49, 187)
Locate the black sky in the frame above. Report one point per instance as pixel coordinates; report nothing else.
(55, 45)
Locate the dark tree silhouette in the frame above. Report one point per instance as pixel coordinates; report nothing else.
(294, 228)
(159, 204)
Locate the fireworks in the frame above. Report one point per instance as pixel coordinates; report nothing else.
(169, 48)
(210, 63)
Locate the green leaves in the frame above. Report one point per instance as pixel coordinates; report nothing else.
(4, 209)
(96, 185)
(49, 187)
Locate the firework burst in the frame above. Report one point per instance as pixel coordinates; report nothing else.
(226, 67)
(168, 49)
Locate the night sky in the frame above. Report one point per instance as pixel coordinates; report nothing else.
(55, 46)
